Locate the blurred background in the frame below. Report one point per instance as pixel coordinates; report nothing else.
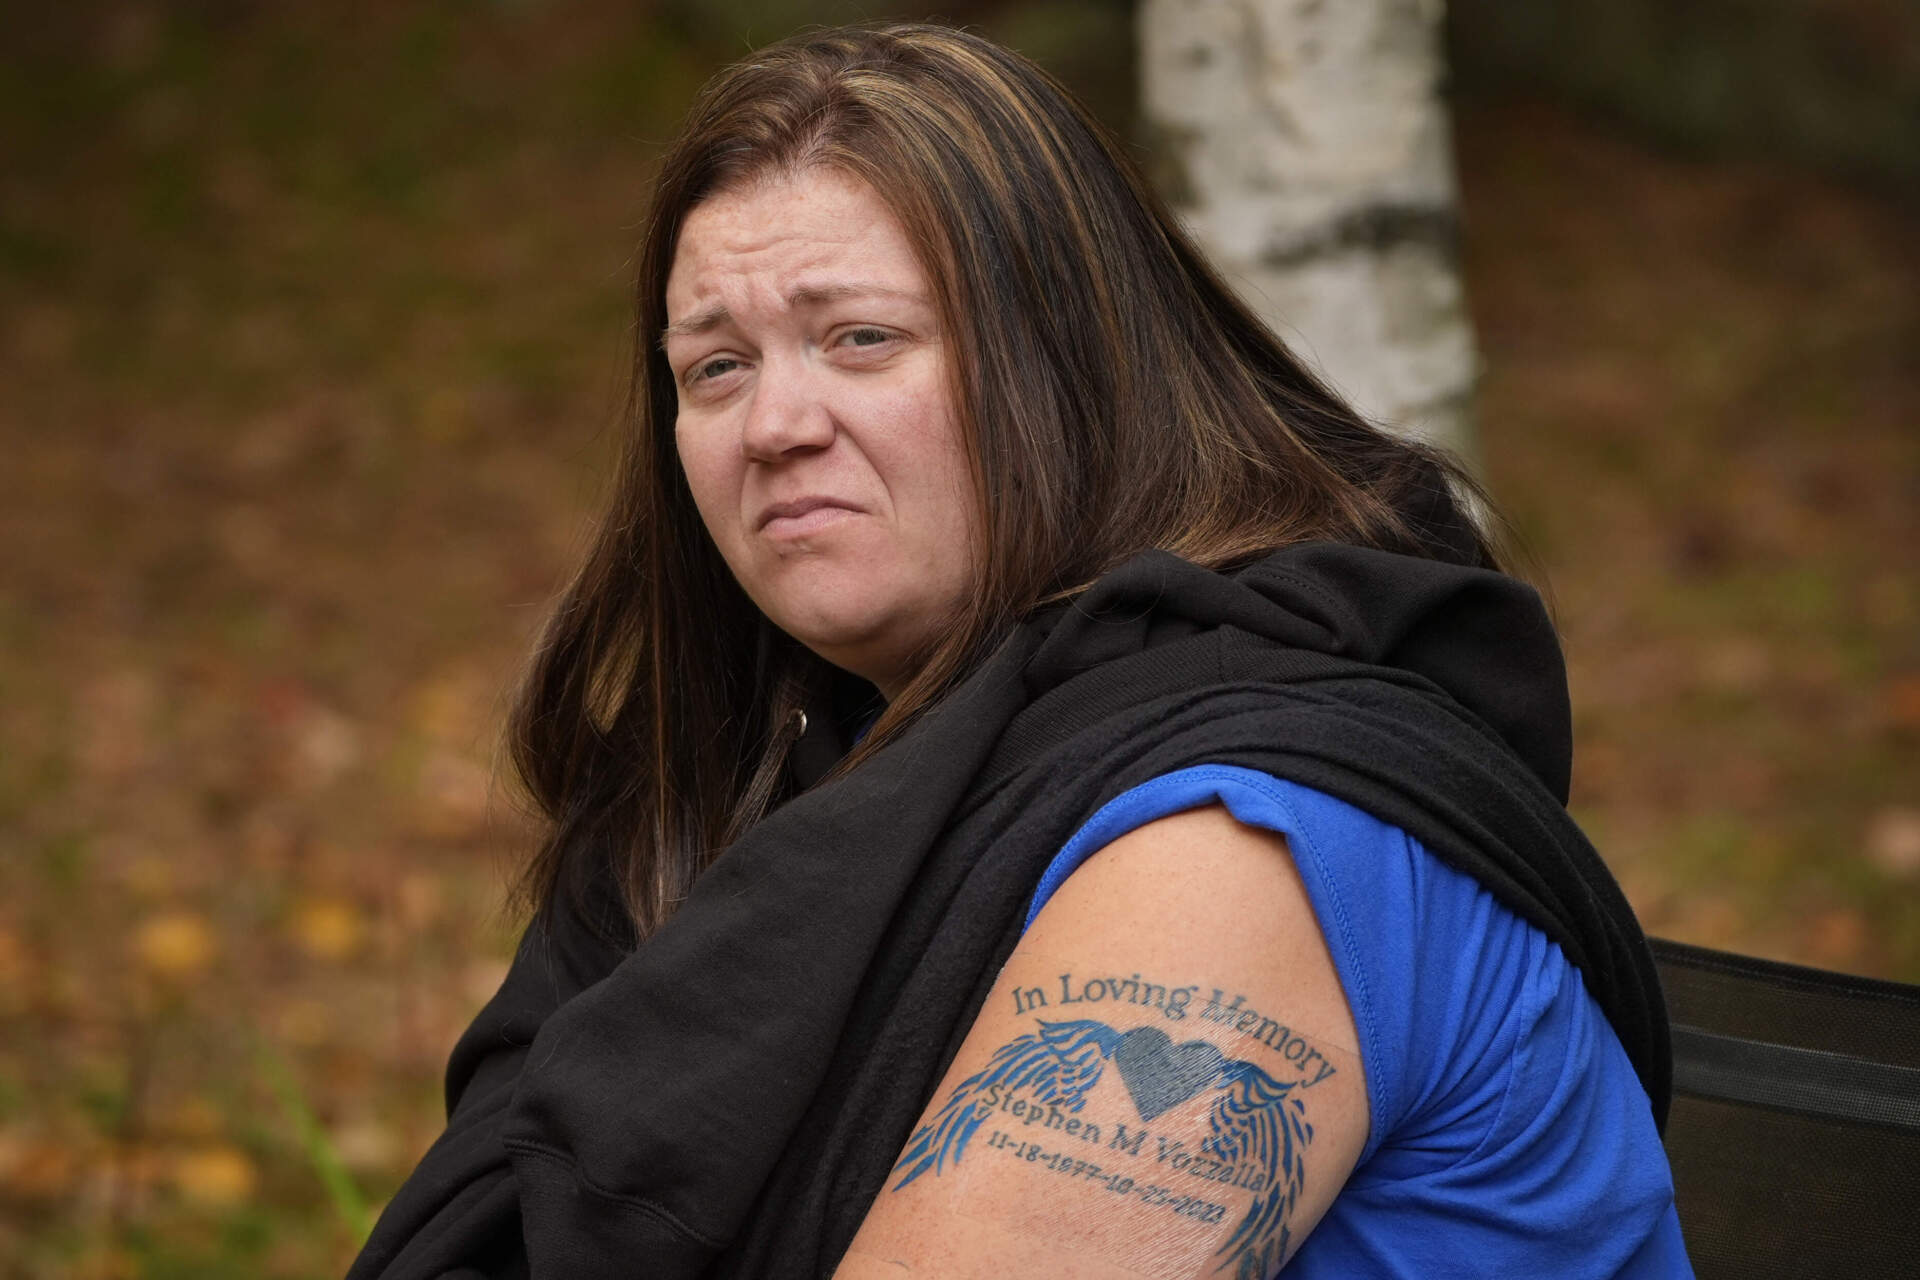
(313, 322)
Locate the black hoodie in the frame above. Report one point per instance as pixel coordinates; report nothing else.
(728, 1099)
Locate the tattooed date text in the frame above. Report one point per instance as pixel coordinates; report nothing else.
(1150, 1194)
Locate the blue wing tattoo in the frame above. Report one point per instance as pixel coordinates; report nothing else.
(1258, 1120)
(1255, 1120)
(1058, 1064)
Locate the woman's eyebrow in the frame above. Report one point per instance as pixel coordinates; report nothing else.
(807, 295)
(698, 322)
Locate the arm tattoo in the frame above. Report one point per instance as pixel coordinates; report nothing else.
(1256, 1139)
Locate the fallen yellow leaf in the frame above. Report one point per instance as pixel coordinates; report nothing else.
(219, 1176)
(175, 945)
(328, 928)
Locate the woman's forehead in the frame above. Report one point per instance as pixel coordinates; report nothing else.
(800, 239)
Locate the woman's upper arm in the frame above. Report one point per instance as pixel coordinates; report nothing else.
(1164, 1081)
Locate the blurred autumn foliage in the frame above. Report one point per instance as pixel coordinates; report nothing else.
(312, 326)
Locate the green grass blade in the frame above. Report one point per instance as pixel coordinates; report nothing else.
(345, 1195)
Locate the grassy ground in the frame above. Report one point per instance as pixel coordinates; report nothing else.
(311, 331)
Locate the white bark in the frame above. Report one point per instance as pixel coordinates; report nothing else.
(1313, 163)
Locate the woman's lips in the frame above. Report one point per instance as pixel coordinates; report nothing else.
(790, 519)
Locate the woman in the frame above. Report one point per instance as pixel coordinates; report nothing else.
(1036, 781)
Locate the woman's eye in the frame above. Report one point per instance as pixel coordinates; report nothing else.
(712, 369)
(865, 336)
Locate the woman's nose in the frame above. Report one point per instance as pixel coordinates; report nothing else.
(786, 414)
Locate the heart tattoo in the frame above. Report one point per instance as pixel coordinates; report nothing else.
(1160, 1074)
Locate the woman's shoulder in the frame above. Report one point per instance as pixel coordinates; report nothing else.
(1504, 1113)
(1432, 963)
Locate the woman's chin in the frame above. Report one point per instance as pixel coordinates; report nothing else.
(843, 636)
(857, 617)
(870, 642)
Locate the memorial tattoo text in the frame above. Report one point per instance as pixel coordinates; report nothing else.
(1031, 1093)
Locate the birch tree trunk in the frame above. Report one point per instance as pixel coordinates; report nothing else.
(1306, 146)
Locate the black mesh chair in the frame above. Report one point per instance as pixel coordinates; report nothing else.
(1795, 1130)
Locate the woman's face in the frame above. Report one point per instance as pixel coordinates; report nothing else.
(816, 427)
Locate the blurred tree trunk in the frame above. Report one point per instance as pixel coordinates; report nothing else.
(1306, 145)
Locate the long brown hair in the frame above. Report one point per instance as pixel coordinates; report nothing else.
(1114, 394)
